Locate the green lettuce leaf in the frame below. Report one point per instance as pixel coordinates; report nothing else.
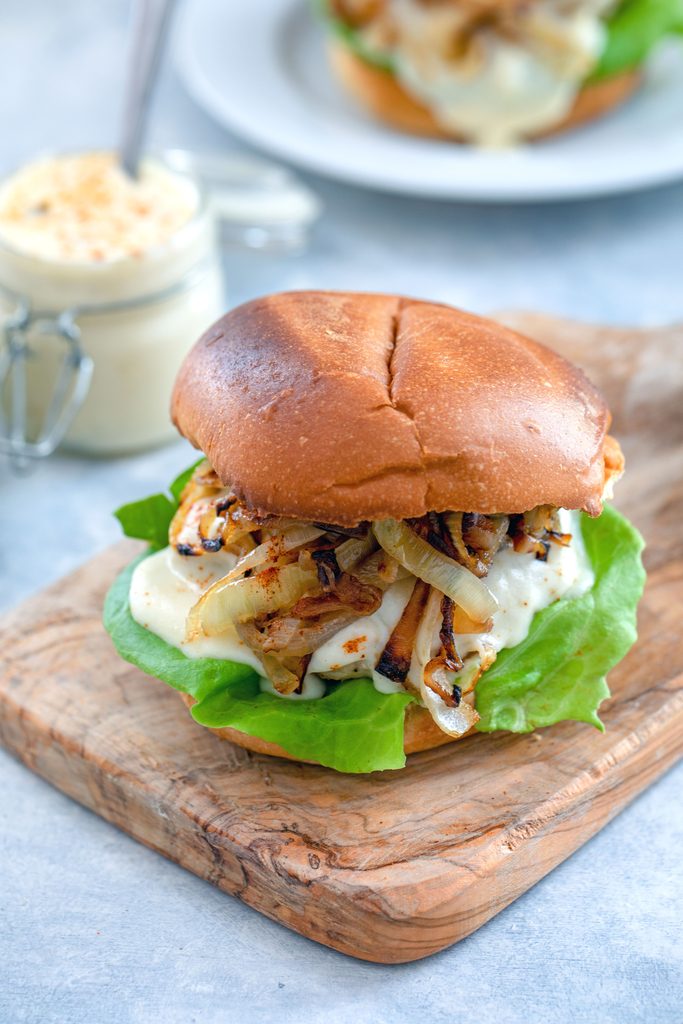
(556, 673)
(381, 59)
(634, 30)
(150, 518)
(353, 728)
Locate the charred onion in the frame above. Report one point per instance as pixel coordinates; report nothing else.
(448, 576)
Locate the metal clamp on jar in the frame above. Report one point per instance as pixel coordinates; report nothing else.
(71, 385)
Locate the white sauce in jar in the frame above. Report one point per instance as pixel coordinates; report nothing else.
(84, 208)
(135, 260)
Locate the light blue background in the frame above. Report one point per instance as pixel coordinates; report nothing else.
(95, 928)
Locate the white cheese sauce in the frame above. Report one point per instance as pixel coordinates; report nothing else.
(502, 88)
(523, 585)
(166, 585)
(162, 591)
(356, 649)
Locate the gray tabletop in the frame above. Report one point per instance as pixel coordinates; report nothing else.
(97, 928)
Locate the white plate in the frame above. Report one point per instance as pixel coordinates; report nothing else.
(259, 67)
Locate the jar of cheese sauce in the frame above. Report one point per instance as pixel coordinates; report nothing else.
(131, 265)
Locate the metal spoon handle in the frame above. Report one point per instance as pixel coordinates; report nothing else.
(151, 21)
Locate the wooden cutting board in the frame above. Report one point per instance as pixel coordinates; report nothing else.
(394, 866)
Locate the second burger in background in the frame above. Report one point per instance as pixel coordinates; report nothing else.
(493, 72)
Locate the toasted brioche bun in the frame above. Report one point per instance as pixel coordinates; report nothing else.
(420, 733)
(342, 407)
(382, 94)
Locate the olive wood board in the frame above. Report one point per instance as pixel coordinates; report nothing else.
(394, 866)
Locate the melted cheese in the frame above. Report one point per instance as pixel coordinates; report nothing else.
(166, 585)
(503, 87)
(355, 650)
(162, 591)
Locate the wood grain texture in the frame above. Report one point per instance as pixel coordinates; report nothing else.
(394, 866)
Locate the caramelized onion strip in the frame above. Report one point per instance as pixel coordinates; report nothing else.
(394, 661)
(273, 547)
(233, 601)
(423, 561)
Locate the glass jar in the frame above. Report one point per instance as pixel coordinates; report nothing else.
(106, 337)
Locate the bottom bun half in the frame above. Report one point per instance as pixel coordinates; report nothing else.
(420, 733)
(380, 93)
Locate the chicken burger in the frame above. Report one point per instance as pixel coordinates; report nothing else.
(395, 535)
